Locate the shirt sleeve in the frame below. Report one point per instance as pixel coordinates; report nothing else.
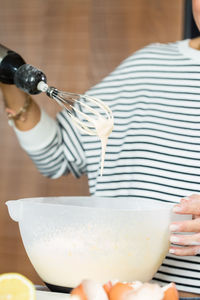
(54, 146)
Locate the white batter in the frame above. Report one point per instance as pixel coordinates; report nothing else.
(104, 128)
(67, 259)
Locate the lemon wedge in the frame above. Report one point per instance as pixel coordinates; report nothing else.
(14, 286)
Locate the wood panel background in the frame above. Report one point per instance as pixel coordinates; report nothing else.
(76, 43)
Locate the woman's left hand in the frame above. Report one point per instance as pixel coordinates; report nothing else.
(190, 243)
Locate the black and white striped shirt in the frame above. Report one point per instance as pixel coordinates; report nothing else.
(154, 149)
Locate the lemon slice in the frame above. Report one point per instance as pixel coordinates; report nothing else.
(14, 286)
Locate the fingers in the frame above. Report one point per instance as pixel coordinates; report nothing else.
(186, 244)
(186, 240)
(185, 251)
(190, 243)
(188, 205)
(186, 226)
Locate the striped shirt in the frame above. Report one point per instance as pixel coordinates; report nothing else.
(154, 149)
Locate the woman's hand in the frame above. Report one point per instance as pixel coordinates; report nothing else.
(14, 99)
(190, 243)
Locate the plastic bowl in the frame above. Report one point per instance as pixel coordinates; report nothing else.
(69, 239)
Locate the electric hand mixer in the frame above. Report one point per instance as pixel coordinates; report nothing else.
(85, 111)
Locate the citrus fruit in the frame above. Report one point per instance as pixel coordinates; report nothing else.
(14, 286)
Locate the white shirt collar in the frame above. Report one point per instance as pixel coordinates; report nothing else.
(189, 52)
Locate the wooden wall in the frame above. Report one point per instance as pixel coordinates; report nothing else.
(76, 43)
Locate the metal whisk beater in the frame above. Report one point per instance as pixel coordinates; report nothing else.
(84, 110)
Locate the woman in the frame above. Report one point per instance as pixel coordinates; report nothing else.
(153, 151)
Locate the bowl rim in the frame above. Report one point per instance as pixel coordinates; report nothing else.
(41, 201)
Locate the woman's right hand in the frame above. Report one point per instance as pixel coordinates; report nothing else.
(14, 100)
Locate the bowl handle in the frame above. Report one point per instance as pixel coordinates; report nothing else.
(14, 209)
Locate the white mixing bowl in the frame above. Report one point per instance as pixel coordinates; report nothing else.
(69, 239)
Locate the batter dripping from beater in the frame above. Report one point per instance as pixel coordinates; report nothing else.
(93, 121)
(104, 129)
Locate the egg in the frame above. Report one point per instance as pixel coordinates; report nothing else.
(91, 290)
(170, 292)
(107, 286)
(146, 291)
(79, 292)
(119, 291)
